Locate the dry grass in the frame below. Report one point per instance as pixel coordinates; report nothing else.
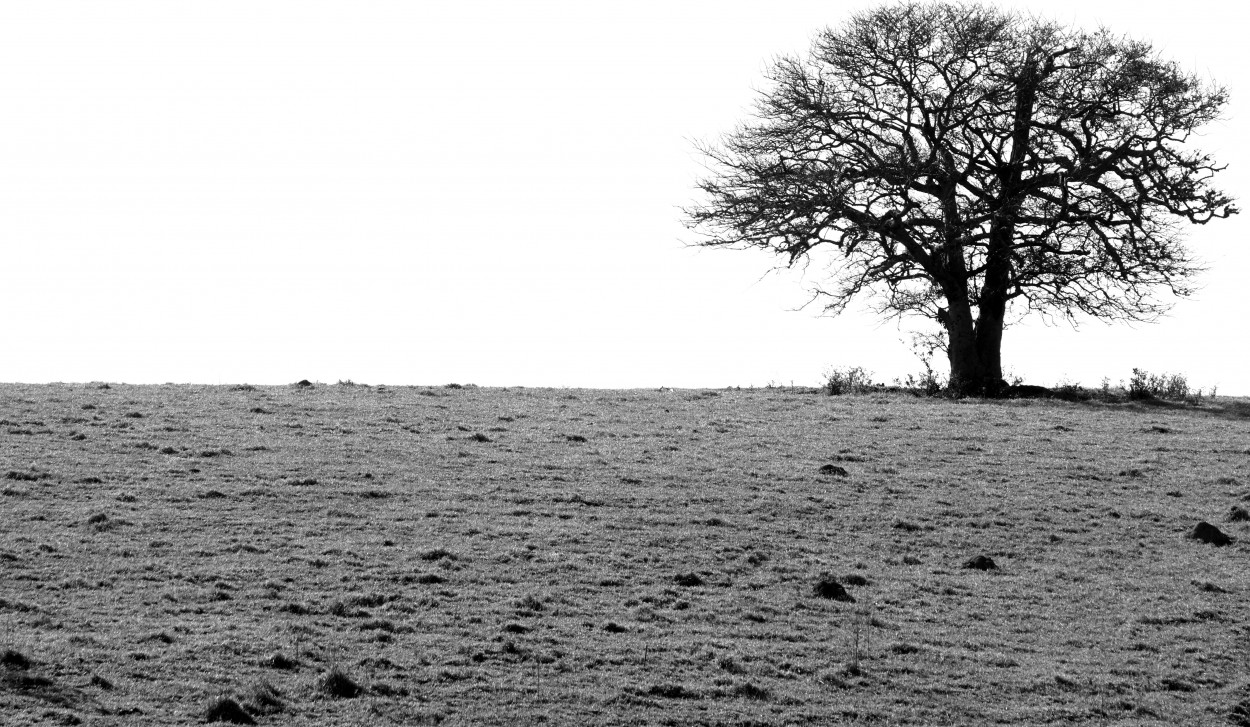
(485, 556)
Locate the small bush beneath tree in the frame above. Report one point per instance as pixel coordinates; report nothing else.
(1171, 387)
(852, 380)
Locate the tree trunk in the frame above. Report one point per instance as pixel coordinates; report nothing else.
(986, 379)
(989, 344)
(991, 314)
(967, 370)
(974, 347)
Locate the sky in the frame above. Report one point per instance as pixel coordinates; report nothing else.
(479, 191)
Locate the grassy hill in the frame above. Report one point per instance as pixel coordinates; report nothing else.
(535, 556)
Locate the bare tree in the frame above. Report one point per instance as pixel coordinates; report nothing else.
(968, 164)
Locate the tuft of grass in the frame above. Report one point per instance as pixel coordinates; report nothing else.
(263, 698)
(423, 578)
(279, 661)
(750, 691)
(343, 610)
(370, 600)
(530, 603)
(337, 684)
(101, 682)
(1240, 715)
(672, 691)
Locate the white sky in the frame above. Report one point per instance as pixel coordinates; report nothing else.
(475, 191)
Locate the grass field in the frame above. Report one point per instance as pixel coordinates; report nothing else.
(519, 556)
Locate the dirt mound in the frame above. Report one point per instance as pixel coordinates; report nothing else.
(1205, 532)
(834, 470)
(14, 660)
(1240, 716)
(981, 562)
(828, 587)
(1238, 514)
(225, 709)
(688, 580)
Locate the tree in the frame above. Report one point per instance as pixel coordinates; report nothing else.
(971, 165)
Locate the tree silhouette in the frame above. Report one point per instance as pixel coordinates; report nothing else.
(968, 164)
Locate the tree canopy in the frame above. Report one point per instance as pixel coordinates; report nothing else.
(965, 163)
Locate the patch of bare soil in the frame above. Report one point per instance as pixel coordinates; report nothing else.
(310, 554)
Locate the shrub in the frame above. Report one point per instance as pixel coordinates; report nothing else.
(852, 380)
(927, 382)
(1070, 391)
(1172, 387)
